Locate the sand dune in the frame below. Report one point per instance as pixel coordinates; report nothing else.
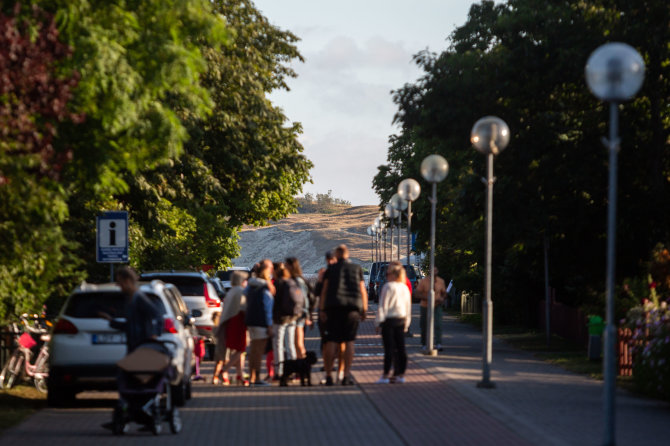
(309, 236)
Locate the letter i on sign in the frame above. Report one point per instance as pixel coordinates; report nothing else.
(112, 234)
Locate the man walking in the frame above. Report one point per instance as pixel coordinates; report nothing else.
(143, 319)
(344, 301)
(318, 288)
(423, 291)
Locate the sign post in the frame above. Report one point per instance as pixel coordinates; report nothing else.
(111, 242)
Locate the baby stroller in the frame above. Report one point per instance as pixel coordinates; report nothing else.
(144, 389)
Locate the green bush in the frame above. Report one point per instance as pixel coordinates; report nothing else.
(651, 350)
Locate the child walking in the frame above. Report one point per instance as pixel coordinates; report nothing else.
(394, 315)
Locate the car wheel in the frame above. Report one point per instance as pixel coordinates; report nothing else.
(59, 397)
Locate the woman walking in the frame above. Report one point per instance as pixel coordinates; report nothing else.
(259, 318)
(233, 326)
(394, 315)
(305, 319)
(286, 311)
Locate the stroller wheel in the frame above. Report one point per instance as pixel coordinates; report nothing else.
(119, 425)
(157, 423)
(175, 421)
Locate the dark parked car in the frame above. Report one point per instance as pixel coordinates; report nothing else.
(224, 276)
(412, 273)
(372, 282)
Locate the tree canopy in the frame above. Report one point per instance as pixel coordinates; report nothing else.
(156, 107)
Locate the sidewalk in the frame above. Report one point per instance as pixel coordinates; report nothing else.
(533, 404)
(544, 404)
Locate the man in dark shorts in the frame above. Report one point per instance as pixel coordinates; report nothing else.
(344, 301)
(318, 288)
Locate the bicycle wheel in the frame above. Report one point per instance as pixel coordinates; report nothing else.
(41, 372)
(12, 370)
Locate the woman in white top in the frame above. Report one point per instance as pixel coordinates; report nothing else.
(394, 315)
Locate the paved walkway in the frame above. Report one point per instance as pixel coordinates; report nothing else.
(533, 404)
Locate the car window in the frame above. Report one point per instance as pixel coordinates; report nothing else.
(224, 275)
(179, 300)
(157, 301)
(187, 285)
(172, 302)
(218, 286)
(89, 305)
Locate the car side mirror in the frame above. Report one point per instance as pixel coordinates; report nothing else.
(196, 313)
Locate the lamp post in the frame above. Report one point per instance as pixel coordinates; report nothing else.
(371, 233)
(391, 214)
(378, 231)
(434, 169)
(409, 190)
(614, 73)
(399, 204)
(378, 238)
(384, 242)
(490, 136)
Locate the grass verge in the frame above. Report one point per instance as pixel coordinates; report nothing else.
(17, 403)
(561, 352)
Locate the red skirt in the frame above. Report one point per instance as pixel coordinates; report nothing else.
(236, 333)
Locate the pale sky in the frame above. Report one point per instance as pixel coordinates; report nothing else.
(356, 52)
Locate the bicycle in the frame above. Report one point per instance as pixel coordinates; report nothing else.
(20, 361)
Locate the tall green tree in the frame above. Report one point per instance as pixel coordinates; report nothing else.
(128, 73)
(34, 99)
(524, 61)
(243, 164)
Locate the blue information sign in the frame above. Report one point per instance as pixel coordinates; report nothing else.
(111, 242)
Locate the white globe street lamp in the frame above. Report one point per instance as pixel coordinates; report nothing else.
(409, 190)
(371, 232)
(490, 135)
(391, 214)
(399, 205)
(614, 73)
(378, 238)
(434, 169)
(381, 231)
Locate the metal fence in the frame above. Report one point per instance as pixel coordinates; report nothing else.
(625, 346)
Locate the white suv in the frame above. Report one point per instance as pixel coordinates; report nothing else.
(84, 349)
(199, 295)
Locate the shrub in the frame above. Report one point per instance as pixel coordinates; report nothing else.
(651, 348)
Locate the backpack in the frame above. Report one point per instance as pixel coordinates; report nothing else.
(290, 300)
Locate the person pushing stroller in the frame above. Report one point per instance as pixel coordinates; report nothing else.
(141, 391)
(143, 320)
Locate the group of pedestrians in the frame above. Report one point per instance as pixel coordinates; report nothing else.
(272, 307)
